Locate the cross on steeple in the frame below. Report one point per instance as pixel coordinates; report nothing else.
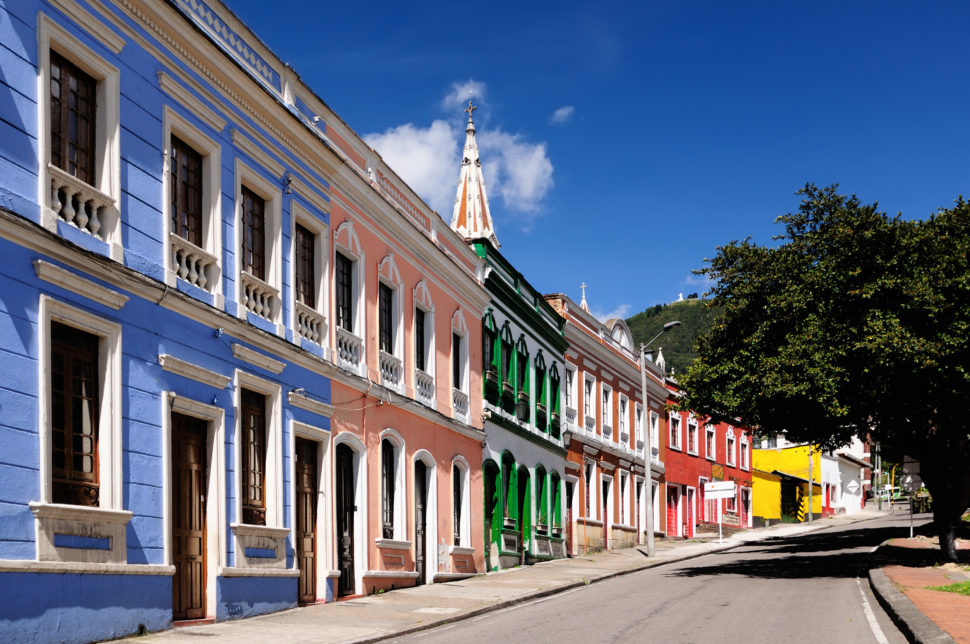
(583, 286)
(471, 108)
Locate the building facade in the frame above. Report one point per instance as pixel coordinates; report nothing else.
(242, 358)
(523, 456)
(604, 417)
(701, 452)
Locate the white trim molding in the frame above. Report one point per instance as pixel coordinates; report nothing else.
(77, 284)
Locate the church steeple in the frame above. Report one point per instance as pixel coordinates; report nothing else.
(471, 217)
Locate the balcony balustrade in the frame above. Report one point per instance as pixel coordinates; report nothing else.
(424, 387)
(81, 205)
(259, 297)
(192, 264)
(349, 349)
(390, 370)
(459, 403)
(310, 324)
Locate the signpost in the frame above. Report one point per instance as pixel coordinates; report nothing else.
(720, 490)
(911, 483)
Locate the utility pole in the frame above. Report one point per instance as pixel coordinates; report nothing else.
(647, 445)
(811, 482)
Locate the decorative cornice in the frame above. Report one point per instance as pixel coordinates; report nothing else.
(91, 24)
(303, 401)
(77, 284)
(261, 360)
(176, 90)
(192, 371)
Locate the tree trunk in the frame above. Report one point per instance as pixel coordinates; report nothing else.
(946, 478)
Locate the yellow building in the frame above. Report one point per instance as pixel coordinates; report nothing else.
(780, 480)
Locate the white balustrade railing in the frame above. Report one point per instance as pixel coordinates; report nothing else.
(390, 370)
(259, 297)
(310, 324)
(348, 349)
(459, 402)
(590, 424)
(81, 205)
(424, 386)
(607, 430)
(192, 264)
(570, 417)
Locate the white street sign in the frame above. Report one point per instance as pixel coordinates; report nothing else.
(720, 490)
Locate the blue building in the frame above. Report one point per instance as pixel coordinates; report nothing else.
(165, 366)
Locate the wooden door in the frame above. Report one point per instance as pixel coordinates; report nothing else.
(188, 517)
(569, 518)
(420, 520)
(306, 518)
(346, 511)
(605, 498)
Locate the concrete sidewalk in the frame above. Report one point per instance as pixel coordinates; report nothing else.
(399, 612)
(903, 576)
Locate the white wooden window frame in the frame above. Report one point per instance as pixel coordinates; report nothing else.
(107, 150)
(109, 518)
(710, 441)
(399, 504)
(247, 176)
(274, 447)
(321, 252)
(674, 431)
(174, 124)
(692, 424)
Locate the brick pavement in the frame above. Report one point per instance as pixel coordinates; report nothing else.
(919, 569)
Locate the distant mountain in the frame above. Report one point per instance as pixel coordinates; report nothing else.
(678, 342)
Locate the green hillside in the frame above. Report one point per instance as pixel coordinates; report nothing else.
(678, 342)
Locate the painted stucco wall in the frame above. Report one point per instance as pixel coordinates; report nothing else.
(794, 461)
(366, 417)
(766, 497)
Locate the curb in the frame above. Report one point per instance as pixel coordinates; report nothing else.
(916, 626)
(427, 626)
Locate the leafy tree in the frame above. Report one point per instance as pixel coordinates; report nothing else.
(855, 322)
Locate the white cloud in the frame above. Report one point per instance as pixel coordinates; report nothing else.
(621, 311)
(517, 171)
(461, 93)
(426, 158)
(563, 114)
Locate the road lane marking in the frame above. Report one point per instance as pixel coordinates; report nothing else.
(870, 616)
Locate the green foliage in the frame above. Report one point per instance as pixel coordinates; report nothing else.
(855, 322)
(677, 343)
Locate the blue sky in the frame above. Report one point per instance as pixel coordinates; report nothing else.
(623, 142)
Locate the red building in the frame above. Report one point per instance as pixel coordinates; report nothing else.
(700, 452)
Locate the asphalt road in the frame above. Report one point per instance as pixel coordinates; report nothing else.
(810, 588)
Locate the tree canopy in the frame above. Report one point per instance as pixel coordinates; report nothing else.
(853, 323)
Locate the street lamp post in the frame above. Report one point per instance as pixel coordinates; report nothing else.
(648, 505)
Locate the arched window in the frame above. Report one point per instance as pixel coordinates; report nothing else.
(540, 393)
(542, 501)
(555, 491)
(392, 486)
